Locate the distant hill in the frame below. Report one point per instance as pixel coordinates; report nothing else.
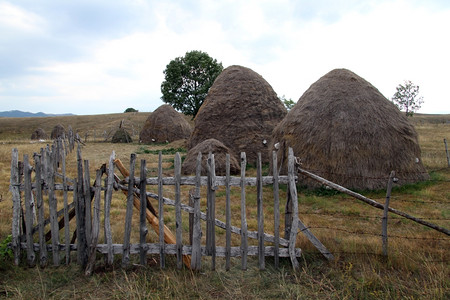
(24, 114)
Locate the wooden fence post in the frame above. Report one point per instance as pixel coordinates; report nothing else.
(29, 206)
(162, 254)
(81, 214)
(294, 199)
(108, 197)
(227, 213)
(143, 230)
(53, 205)
(40, 206)
(211, 211)
(87, 202)
(276, 210)
(260, 213)
(128, 214)
(66, 207)
(446, 152)
(197, 228)
(15, 190)
(384, 222)
(178, 223)
(244, 233)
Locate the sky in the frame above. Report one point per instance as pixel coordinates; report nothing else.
(101, 56)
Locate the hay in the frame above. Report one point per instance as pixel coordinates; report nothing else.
(121, 136)
(219, 150)
(39, 134)
(58, 132)
(343, 129)
(241, 110)
(164, 125)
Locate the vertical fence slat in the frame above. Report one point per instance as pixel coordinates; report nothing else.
(81, 216)
(14, 181)
(87, 201)
(129, 214)
(143, 230)
(43, 260)
(107, 211)
(66, 208)
(294, 201)
(227, 213)
(384, 221)
(244, 233)
(211, 211)
(53, 205)
(95, 224)
(276, 210)
(31, 256)
(162, 247)
(197, 228)
(179, 228)
(260, 213)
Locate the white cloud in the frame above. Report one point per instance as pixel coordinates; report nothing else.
(15, 17)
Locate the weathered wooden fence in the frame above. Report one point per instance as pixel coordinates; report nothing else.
(47, 178)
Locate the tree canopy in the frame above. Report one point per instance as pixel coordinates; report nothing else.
(130, 109)
(407, 97)
(188, 79)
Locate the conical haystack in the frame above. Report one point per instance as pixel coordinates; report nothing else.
(58, 132)
(39, 134)
(219, 150)
(165, 124)
(241, 110)
(121, 136)
(344, 129)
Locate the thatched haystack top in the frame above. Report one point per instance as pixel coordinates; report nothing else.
(219, 150)
(121, 136)
(58, 132)
(241, 110)
(165, 124)
(39, 134)
(345, 130)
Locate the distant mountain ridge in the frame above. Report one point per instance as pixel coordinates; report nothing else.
(24, 114)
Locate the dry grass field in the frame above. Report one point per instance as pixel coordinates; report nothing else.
(417, 267)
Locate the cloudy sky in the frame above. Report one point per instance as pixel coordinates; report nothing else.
(103, 56)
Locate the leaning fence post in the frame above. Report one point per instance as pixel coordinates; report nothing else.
(211, 211)
(14, 181)
(446, 152)
(276, 210)
(40, 206)
(260, 213)
(384, 222)
(143, 230)
(66, 208)
(53, 205)
(81, 216)
(107, 212)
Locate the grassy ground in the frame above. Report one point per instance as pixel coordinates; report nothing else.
(417, 266)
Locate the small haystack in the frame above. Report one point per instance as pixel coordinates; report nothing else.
(343, 129)
(241, 110)
(58, 132)
(121, 136)
(219, 150)
(39, 134)
(165, 124)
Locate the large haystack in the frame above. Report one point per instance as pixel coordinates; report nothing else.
(241, 110)
(58, 132)
(219, 150)
(39, 134)
(344, 129)
(165, 124)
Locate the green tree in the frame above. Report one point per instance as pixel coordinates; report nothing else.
(130, 109)
(187, 81)
(407, 98)
(288, 103)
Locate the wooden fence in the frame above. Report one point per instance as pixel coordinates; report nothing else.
(46, 178)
